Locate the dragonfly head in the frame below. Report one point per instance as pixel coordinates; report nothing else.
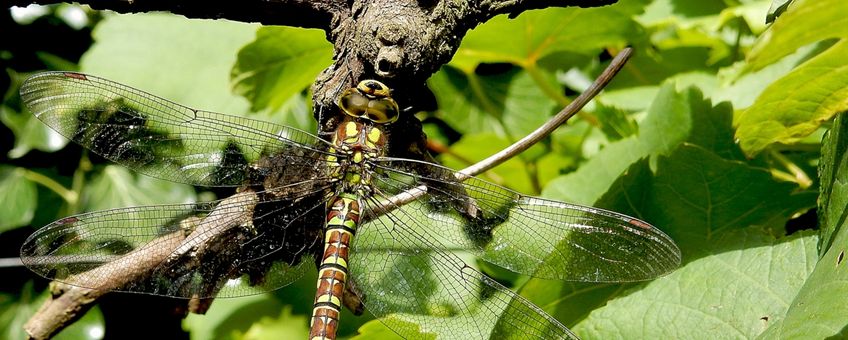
(370, 100)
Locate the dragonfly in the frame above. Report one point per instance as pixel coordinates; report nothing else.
(396, 236)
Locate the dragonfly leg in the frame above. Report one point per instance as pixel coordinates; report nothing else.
(353, 298)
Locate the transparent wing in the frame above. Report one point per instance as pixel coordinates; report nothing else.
(533, 236)
(246, 244)
(157, 137)
(418, 289)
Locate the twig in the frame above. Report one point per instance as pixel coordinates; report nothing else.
(70, 300)
(525, 143)
(560, 118)
(77, 293)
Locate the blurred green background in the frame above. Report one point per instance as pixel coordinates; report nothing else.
(713, 132)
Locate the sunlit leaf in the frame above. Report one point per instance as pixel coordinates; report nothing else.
(673, 117)
(805, 22)
(833, 172)
(535, 34)
(229, 317)
(473, 148)
(375, 329)
(743, 88)
(794, 106)
(284, 326)
(191, 68)
(744, 282)
(469, 102)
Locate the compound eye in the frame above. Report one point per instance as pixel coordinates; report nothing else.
(383, 110)
(353, 103)
(370, 100)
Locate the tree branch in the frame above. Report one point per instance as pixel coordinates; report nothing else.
(299, 13)
(490, 8)
(76, 294)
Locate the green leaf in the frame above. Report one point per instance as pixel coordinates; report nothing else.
(508, 103)
(29, 132)
(526, 106)
(475, 147)
(833, 172)
(743, 88)
(651, 66)
(285, 326)
(463, 102)
(805, 22)
(709, 126)
(279, 63)
(117, 187)
(19, 196)
(695, 194)
(680, 10)
(375, 329)
(794, 106)
(570, 302)
(630, 98)
(593, 178)
(536, 34)
(51, 205)
(615, 122)
(191, 68)
(745, 281)
(674, 117)
(818, 309)
(229, 318)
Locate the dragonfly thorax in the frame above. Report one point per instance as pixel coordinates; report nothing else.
(358, 141)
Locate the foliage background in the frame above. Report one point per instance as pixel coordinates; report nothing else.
(713, 132)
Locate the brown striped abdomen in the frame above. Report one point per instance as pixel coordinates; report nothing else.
(342, 219)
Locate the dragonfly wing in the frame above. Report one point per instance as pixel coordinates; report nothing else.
(246, 244)
(529, 235)
(157, 137)
(417, 289)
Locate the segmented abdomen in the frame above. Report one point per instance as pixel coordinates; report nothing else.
(342, 219)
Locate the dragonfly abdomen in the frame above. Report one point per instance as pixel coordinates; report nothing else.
(342, 220)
